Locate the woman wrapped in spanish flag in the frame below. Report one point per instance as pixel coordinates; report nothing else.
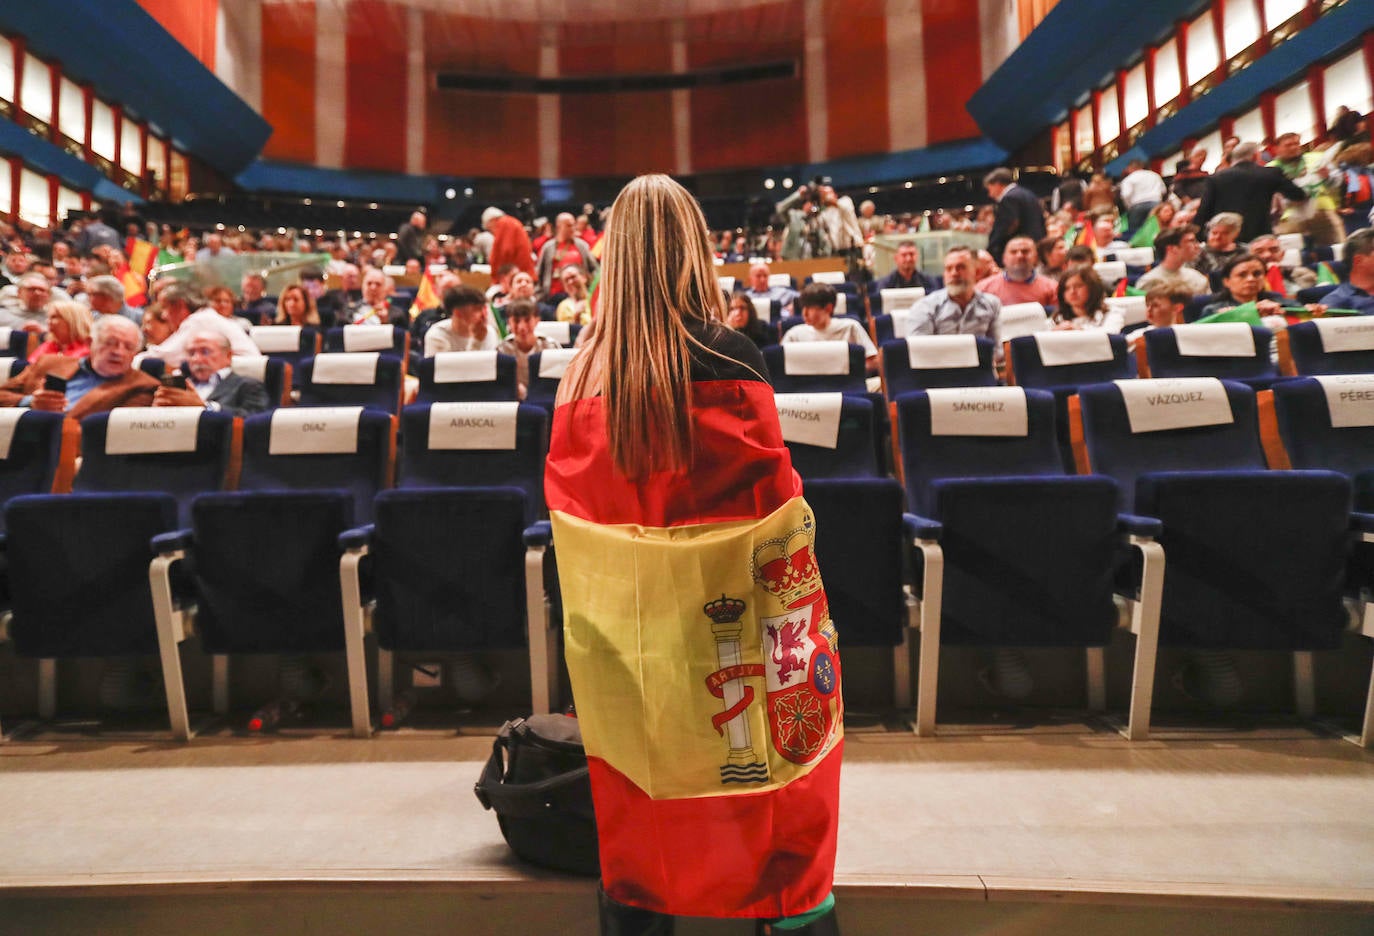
(704, 664)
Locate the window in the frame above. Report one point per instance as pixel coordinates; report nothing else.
(1202, 48)
(1278, 12)
(33, 197)
(1250, 127)
(1108, 120)
(1293, 112)
(1166, 73)
(1137, 102)
(1347, 82)
(1169, 164)
(1084, 144)
(71, 115)
(1212, 144)
(180, 177)
(1242, 26)
(130, 147)
(157, 162)
(102, 129)
(6, 72)
(67, 201)
(1063, 155)
(37, 88)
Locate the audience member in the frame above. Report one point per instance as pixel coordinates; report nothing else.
(29, 312)
(563, 250)
(1319, 218)
(254, 306)
(214, 248)
(1099, 196)
(759, 288)
(103, 380)
(410, 239)
(221, 299)
(69, 331)
(1018, 211)
(295, 306)
(1270, 252)
(521, 317)
(817, 302)
(1018, 281)
(211, 381)
(1141, 190)
(373, 308)
(576, 305)
(1053, 254)
(1243, 281)
(468, 327)
(959, 308)
(1164, 307)
(1176, 249)
(509, 241)
(176, 303)
(1221, 246)
(1247, 189)
(1358, 292)
(15, 266)
(1190, 179)
(106, 296)
(905, 275)
(1105, 239)
(743, 317)
(1082, 303)
(156, 326)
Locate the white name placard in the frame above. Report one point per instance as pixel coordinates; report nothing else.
(472, 425)
(1346, 332)
(1131, 308)
(727, 283)
(1136, 256)
(903, 321)
(1022, 318)
(368, 338)
(314, 430)
(254, 368)
(464, 366)
(804, 358)
(932, 352)
(1058, 348)
(560, 332)
(1350, 399)
(785, 279)
(554, 364)
(833, 277)
(763, 308)
(978, 411)
(1218, 339)
(901, 298)
(349, 367)
(810, 418)
(1110, 271)
(137, 430)
(1175, 403)
(9, 421)
(276, 339)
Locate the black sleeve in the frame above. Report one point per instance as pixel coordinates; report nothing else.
(742, 359)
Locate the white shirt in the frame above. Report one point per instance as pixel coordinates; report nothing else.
(173, 350)
(839, 329)
(440, 337)
(1143, 185)
(207, 388)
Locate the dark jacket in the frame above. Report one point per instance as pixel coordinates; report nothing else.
(239, 396)
(1018, 215)
(1247, 189)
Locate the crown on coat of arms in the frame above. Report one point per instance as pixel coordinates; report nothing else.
(786, 566)
(724, 610)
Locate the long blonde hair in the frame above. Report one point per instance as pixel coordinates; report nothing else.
(657, 275)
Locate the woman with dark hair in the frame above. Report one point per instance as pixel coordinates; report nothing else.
(1243, 280)
(295, 306)
(744, 318)
(1082, 302)
(686, 561)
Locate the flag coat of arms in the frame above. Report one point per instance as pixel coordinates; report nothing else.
(704, 664)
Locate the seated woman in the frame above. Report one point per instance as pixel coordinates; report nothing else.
(1243, 280)
(221, 299)
(69, 331)
(743, 317)
(1082, 303)
(295, 306)
(156, 327)
(575, 306)
(1221, 247)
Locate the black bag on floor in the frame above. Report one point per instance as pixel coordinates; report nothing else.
(537, 782)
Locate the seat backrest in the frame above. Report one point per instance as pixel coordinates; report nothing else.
(785, 279)
(475, 445)
(1337, 345)
(975, 432)
(288, 343)
(465, 544)
(153, 367)
(830, 435)
(272, 373)
(345, 448)
(466, 377)
(565, 333)
(1070, 358)
(816, 367)
(1110, 271)
(1327, 422)
(14, 342)
(832, 277)
(920, 362)
(181, 451)
(1231, 350)
(30, 451)
(354, 338)
(886, 301)
(364, 378)
(1135, 427)
(546, 373)
(1131, 309)
(1022, 318)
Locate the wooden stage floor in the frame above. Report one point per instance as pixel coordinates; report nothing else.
(1056, 826)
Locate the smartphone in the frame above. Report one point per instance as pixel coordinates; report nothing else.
(175, 381)
(55, 383)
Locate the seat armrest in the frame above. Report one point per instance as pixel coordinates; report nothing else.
(539, 533)
(1135, 525)
(1359, 523)
(357, 538)
(175, 541)
(921, 528)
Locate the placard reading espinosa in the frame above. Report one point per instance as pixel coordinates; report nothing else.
(1350, 399)
(473, 425)
(978, 411)
(1175, 403)
(810, 418)
(137, 430)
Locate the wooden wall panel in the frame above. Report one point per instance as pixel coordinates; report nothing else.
(191, 22)
(288, 80)
(374, 86)
(953, 50)
(856, 88)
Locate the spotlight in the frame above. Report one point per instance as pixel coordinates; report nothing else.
(220, 226)
(341, 204)
(281, 230)
(787, 183)
(906, 185)
(306, 202)
(450, 193)
(467, 193)
(768, 183)
(942, 180)
(873, 190)
(372, 205)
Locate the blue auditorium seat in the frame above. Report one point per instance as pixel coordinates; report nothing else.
(273, 374)
(1015, 552)
(854, 453)
(1256, 368)
(363, 378)
(1315, 293)
(392, 339)
(1336, 345)
(884, 301)
(565, 333)
(35, 452)
(153, 367)
(921, 362)
(1256, 558)
(845, 373)
(546, 373)
(289, 344)
(466, 377)
(1303, 423)
(484, 567)
(14, 342)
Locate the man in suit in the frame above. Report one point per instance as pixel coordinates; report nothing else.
(1248, 189)
(210, 382)
(94, 384)
(1018, 211)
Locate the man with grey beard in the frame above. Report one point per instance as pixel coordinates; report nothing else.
(959, 308)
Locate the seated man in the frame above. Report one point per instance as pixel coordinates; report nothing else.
(818, 309)
(905, 275)
(468, 327)
(253, 303)
(29, 310)
(1164, 307)
(1018, 281)
(1270, 251)
(959, 308)
(575, 306)
(106, 294)
(785, 296)
(373, 308)
(104, 380)
(1358, 292)
(1176, 250)
(210, 382)
(521, 317)
(175, 300)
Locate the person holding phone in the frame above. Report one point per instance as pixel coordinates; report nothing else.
(206, 379)
(81, 386)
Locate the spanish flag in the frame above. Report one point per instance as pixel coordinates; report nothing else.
(704, 663)
(141, 255)
(1273, 280)
(426, 297)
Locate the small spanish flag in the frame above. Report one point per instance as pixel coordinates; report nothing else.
(141, 255)
(426, 297)
(135, 285)
(1084, 237)
(1273, 278)
(704, 662)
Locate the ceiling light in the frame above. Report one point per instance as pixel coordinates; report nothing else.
(450, 193)
(768, 183)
